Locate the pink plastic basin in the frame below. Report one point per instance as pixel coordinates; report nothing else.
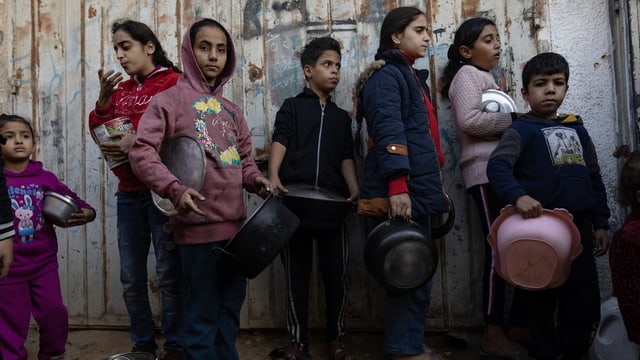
(534, 253)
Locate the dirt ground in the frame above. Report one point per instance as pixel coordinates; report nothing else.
(256, 345)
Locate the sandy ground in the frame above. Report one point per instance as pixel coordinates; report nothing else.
(256, 345)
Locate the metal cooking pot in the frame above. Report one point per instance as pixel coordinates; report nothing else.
(262, 237)
(57, 208)
(445, 227)
(131, 356)
(400, 255)
(316, 207)
(184, 157)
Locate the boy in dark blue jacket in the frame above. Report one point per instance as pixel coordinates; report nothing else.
(549, 161)
(313, 145)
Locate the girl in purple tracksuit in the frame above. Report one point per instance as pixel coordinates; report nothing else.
(33, 285)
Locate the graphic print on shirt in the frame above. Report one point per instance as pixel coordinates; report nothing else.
(24, 202)
(227, 156)
(564, 145)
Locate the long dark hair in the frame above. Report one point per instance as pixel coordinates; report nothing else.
(395, 22)
(629, 183)
(468, 32)
(142, 33)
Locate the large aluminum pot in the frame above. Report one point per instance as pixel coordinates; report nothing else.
(184, 156)
(57, 208)
(262, 237)
(316, 207)
(400, 255)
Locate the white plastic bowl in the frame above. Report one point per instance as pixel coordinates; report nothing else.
(534, 253)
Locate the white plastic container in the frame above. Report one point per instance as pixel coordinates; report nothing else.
(611, 341)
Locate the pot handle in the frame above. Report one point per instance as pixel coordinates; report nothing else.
(442, 230)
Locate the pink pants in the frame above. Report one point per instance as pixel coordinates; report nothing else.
(41, 297)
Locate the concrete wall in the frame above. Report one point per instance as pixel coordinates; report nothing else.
(54, 49)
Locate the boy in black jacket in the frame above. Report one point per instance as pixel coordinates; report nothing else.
(313, 145)
(548, 161)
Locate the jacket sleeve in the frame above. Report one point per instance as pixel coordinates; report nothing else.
(6, 214)
(501, 164)
(465, 95)
(250, 170)
(63, 189)
(347, 151)
(144, 152)
(283, 128)
(381, 98)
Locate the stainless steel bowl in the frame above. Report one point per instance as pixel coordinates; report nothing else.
(57, 208)
(131, 356)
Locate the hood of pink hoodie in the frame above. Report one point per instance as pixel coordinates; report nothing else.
(192, 73)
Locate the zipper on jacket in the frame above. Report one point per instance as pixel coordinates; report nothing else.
(322, 105)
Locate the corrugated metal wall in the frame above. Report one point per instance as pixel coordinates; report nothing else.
(55, 49)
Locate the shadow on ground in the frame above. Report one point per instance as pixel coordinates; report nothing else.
(256, 345)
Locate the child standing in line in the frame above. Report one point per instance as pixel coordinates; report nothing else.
(402, 168)
(140, 223)
(313, 144)
(476, 51)
(624, 255)
(33, 284)
(213, 288)
(536, 167)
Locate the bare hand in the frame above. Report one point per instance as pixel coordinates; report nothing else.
(119, 150)
(6, 256)
(109, 81)
(277, 184)
(601, 242)
(187, 202)
(354, 194)
(80, 218)
(400, 205)
(528, 207)
(264, 186)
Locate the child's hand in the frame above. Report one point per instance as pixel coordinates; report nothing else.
(400, 205)
(276, 184)
(119, 150)
(6, 256)
(187, 204)
(264, 186)
(354, 194)
(81, 218)
(528, 207)
(108, 85)
(601, 242)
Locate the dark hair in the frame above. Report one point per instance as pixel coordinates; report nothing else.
(546, 63)
(396, 21)
(467, 34)
(629, 182)
(195, 28)
(314, 48)
(143, 34)
(7, 118)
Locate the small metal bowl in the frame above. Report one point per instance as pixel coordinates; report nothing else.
(57, 208)
(131, 356)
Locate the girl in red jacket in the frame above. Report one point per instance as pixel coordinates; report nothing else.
(139, 222)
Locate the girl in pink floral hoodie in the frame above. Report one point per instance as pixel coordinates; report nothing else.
(213, 289)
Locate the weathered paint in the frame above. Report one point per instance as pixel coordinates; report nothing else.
(55, 49)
